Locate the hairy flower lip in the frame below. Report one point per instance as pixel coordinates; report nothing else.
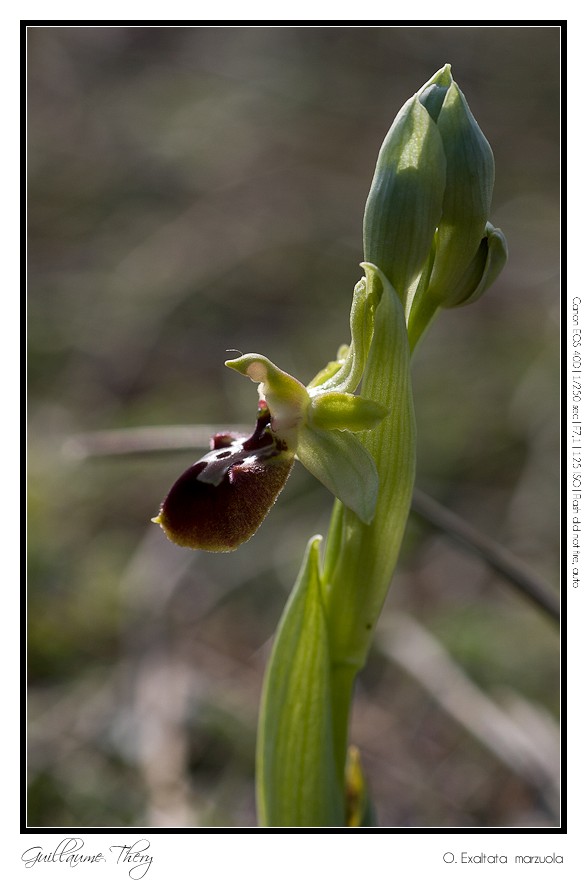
(219, 502)
(262, 435)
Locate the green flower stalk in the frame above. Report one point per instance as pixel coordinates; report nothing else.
(428, 246)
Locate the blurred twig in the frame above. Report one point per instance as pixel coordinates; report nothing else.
(496, 555)
(142, 440)
(156, 440)
(514, 739)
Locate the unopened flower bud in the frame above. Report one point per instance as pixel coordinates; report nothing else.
(467, 194)
(485, 267)
(404, 205)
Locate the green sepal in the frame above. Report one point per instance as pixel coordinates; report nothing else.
(297, 784)
(344, 411)
(338, 460)
(344, 375)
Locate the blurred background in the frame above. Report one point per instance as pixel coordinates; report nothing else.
(196, 189)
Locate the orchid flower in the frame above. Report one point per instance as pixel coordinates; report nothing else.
(219, 502)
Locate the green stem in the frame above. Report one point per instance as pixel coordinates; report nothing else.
(342, 681)
(420, 321)
(360, 559)
(423, 308)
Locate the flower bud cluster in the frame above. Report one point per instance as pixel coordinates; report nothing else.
(426, 218)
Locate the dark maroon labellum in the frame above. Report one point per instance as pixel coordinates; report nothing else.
(220, 501)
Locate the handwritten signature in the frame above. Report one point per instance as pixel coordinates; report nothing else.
(69, 851)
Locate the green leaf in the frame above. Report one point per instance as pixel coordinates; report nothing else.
(297, 783)
(343, 465)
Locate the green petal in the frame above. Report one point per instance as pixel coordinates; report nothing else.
(343, 465)
(343, 411)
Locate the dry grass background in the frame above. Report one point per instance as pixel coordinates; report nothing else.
(194, 189)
